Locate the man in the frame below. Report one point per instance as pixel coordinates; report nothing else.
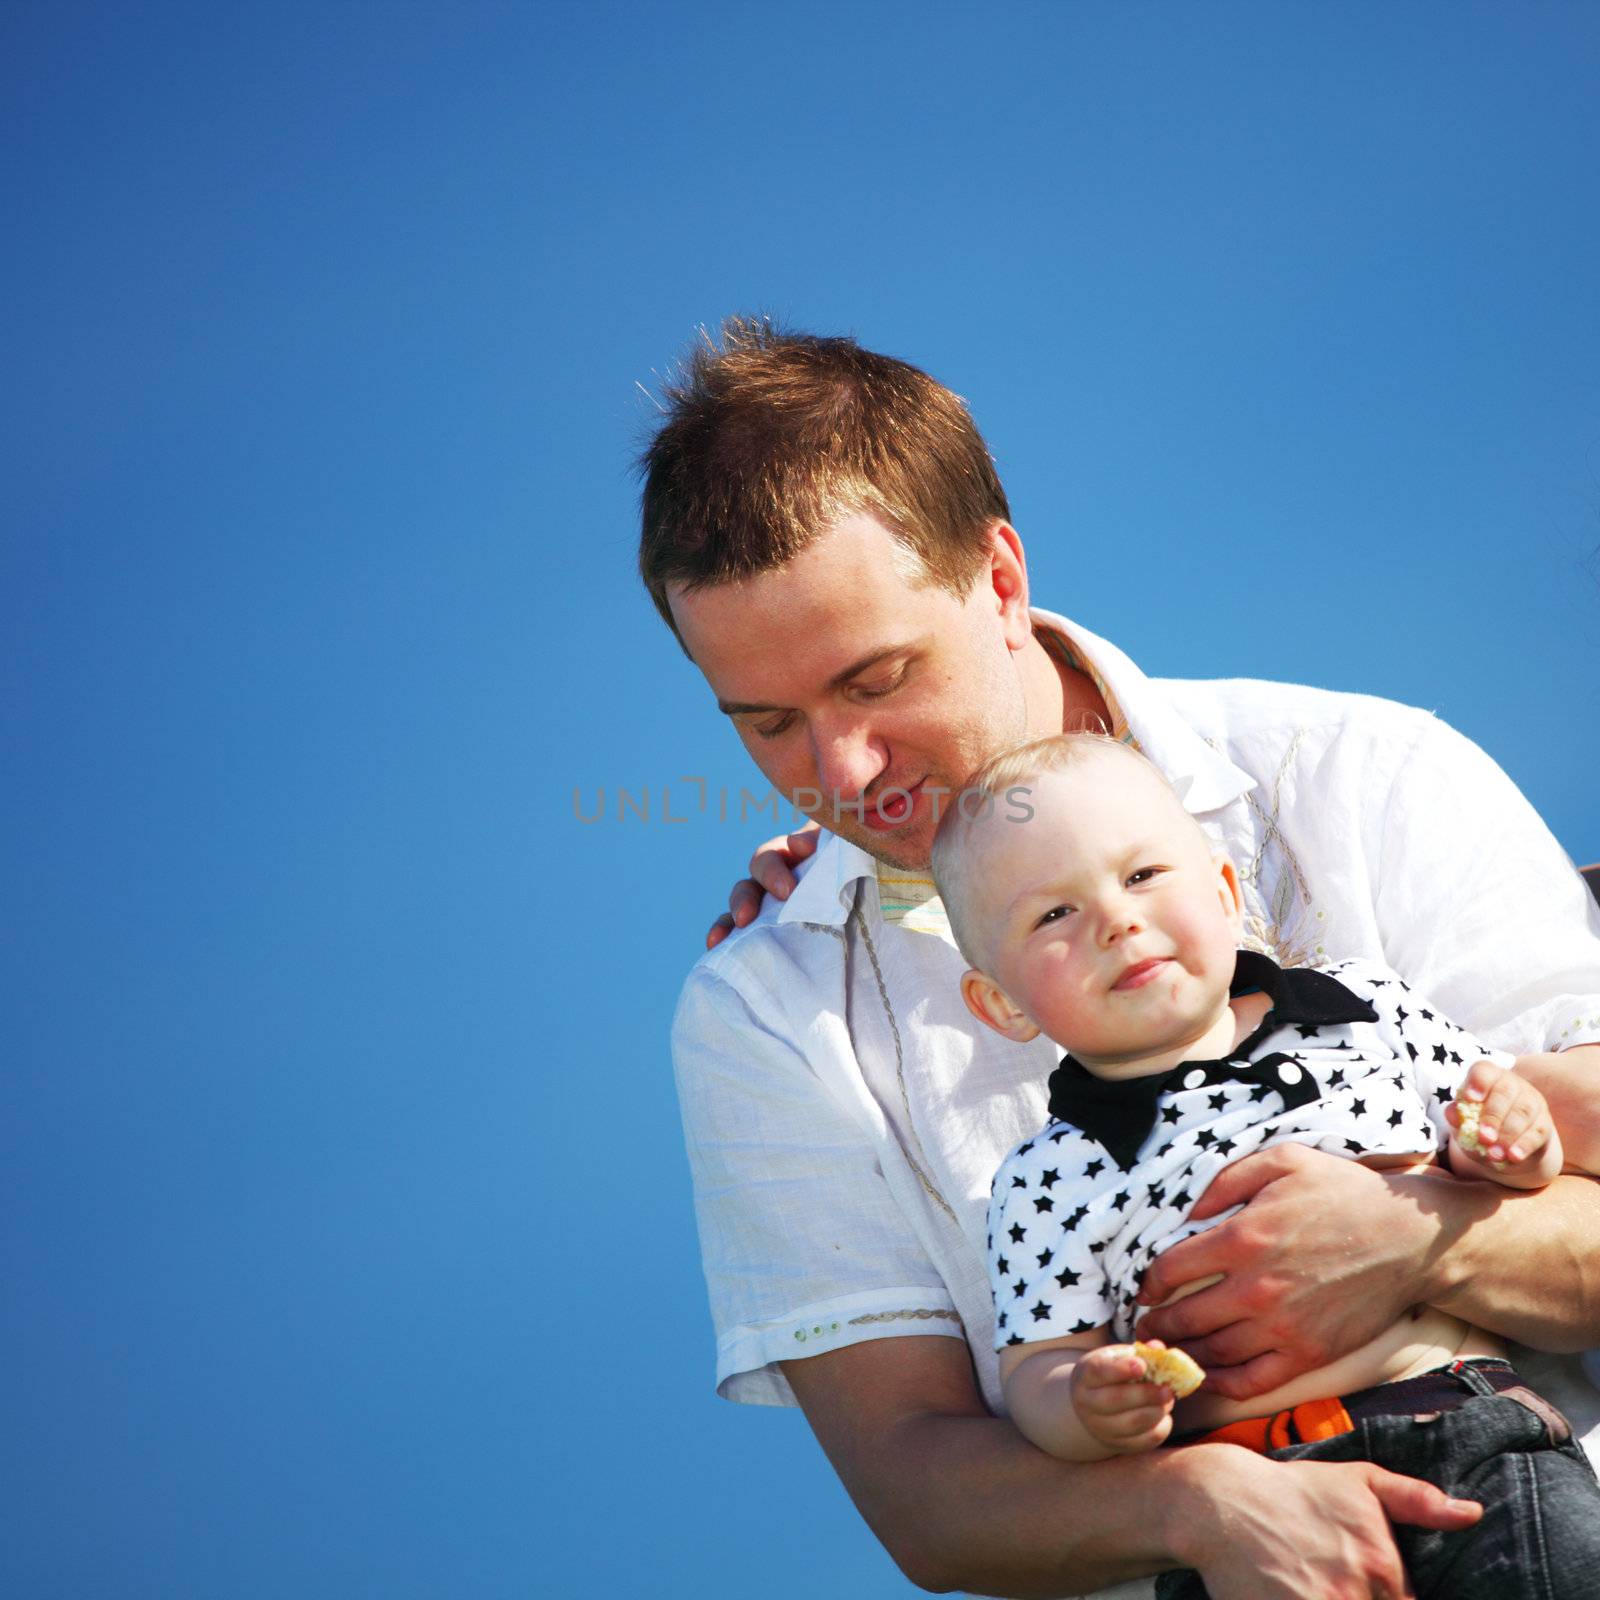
(824, 531)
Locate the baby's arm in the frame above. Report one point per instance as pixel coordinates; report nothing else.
(1507, 1135)
(1083, 1398)
(1503, 1130)
(1526, 1145)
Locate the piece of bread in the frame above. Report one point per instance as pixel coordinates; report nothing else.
(1181, 1373)
(1470, 1111)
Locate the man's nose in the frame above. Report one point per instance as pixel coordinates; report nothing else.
(848, 758)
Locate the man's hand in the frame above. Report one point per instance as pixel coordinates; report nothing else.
(1517, 1142)
(962, 1501)
(1313, 1528)
(1117, 1408)
(1323, 1257)
(771, 872)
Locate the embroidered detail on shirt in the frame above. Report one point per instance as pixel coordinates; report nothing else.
(899, 1061)
(1292, 931)
(921, 1314)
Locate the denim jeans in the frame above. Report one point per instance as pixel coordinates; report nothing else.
(1539, 1536)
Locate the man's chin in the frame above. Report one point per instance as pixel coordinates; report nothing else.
(906, 842)
(908, 849)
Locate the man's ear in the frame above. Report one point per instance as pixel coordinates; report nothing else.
(991, 1005)
(1232, 895)
(1008, 578)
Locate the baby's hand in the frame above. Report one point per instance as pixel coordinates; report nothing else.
(1115, 1405)
(1503, 1130)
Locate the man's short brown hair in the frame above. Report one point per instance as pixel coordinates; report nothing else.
(770, 437)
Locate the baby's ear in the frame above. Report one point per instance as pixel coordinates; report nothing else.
(991, 1005)
(1228, 888)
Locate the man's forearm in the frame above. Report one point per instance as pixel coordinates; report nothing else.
(1524, 1265)
(1570, 1081)
(968, 1503)
(962, 1501)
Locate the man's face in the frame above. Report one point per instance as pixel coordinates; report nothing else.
(1108, 921)
(849, 673)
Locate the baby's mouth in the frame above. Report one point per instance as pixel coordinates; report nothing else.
(1141, 973)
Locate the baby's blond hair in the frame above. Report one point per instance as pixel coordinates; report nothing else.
(1000, 779)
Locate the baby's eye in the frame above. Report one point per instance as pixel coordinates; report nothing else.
(1054, 914)
(1144, 874)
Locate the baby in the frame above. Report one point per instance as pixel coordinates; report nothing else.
(1093, 909)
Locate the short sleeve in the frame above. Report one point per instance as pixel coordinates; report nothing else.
(1048, 1228)
(804, 1248)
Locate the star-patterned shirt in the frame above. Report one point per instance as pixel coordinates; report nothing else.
(1348, 1060)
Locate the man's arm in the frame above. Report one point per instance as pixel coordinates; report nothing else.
(1361, 1248)
(1570, 1081)
(962, 1501)
(794, 1210)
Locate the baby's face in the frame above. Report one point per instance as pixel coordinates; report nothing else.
(1111, 926)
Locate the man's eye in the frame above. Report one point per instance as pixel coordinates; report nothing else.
(876, 691)
(773, 729)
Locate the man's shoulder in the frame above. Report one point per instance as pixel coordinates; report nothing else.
(1273, 731)
(1216, 707)
(776, 950)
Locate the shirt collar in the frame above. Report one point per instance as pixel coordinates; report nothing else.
(1204, 779)
(1120, 1114)
(827, 883)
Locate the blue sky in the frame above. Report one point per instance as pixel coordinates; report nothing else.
(346, 1236)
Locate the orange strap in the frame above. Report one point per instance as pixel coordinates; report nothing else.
(1313, 1419)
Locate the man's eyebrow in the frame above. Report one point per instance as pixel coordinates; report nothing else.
(734, 708)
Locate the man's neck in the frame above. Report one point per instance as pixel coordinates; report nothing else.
(1060, 699)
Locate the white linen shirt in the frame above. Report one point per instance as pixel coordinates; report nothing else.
(844, 1114)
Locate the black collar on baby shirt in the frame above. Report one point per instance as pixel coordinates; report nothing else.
(1120, 1114)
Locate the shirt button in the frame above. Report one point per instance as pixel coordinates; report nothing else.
(1289, 1072)
(1193, 1080)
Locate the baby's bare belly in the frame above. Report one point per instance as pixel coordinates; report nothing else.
(1411, 1345)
